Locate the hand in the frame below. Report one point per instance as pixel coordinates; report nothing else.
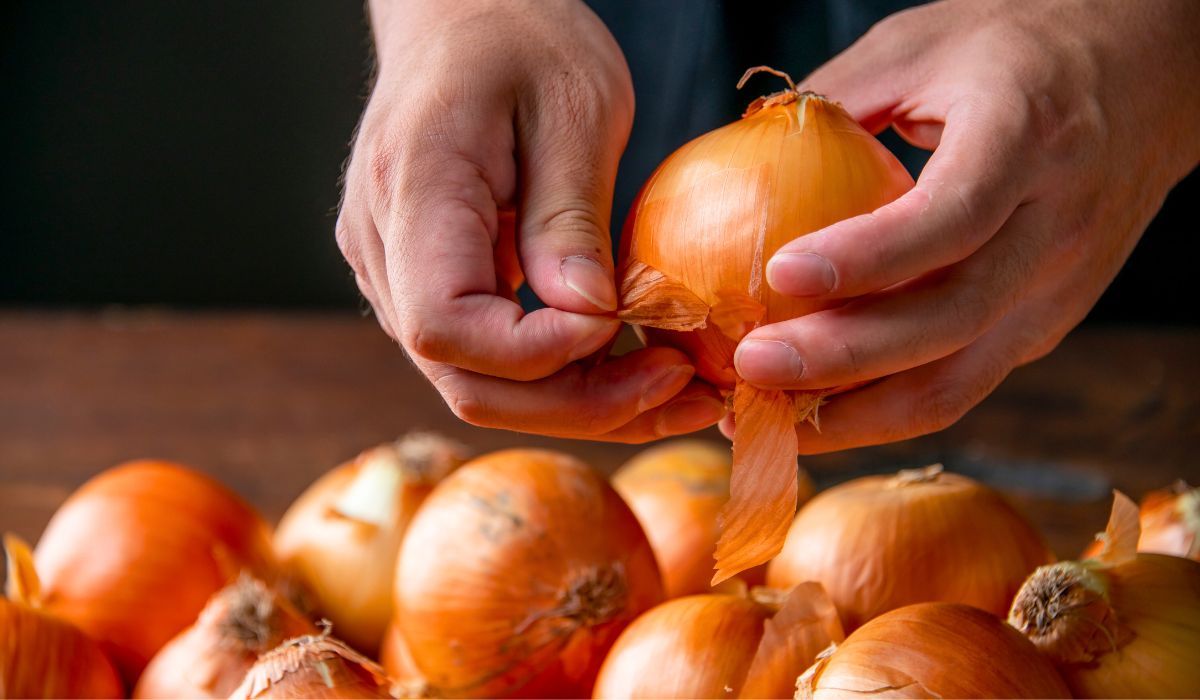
(1059, 127)
(481, 109)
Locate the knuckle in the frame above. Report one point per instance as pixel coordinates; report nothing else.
(464, 404)
(971, 307)
(942, 404)
(349, 245)
(422, 336)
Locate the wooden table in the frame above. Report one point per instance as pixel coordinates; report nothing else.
(268, 401)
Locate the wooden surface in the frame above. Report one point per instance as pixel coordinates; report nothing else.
(267, 402)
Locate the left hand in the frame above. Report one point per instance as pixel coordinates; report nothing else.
(1059, 127)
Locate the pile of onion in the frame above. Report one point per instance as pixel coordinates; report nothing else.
(883, 542)
(517, 575)
(42, 656)
(1170, 523)
(314, 666)
(693, 257)
(210, 658)
(1123, 624)
(340, 539)
(133, 556)
(676, 490)
(933, 650)
(713, 646)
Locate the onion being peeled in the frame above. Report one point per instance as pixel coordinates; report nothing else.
(933, 650)
(42, 656)
(1124, 624)
(516, 576)
(883, 542)
(210, 658)
(341, 537)
(694, 253)
(314, 666)
(676, 490)
(133, 556)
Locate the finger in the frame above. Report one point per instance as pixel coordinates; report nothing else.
(568, 148)
(588, 402)
(973, 182)
(363, 250)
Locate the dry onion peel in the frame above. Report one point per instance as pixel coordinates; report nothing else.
(1122, 624)
(314, 666)
(806, 624)
(1170, 523)
(694, 254)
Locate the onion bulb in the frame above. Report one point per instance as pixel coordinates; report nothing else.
(676, 491)
(713, 646)
(210, 658)
(341, 537)
(1124, 624)
(398, 662)
(933, 650)
(517, 575)
(42, 656)
(694, 253)
(1170, 523)
(314, 666)
(883, 542)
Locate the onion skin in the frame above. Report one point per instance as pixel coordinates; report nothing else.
(1147, 607)
(314, 667)
(210, 658)
(927, 650)
(133, 556)
(397, 660)
(45, 657)
(517, 575)
(698, 646)
(882, 542)
(1170, 523)
(347, 560)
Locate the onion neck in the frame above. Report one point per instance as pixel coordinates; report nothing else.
(910, 477)
(23, 585)
(1064, 609)
(247, 616)
(372, 496)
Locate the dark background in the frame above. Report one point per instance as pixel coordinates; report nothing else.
(188, 153)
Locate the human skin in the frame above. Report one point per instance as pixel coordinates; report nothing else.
(1059, 127)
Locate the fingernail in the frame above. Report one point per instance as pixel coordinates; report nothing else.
(589, 280)
(801, 274)
(689, 415)
(768, 362)
(668, 383)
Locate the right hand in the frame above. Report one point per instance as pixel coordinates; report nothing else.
(481, 108)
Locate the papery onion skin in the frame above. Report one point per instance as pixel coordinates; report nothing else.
(1127, 630)
(210, 659)
(347, 560)
(697, 646)
(945, 650)
(676, 491)
(134, 554)
(45, 657)
(517, 575)
(314, 667)
(882, 542)
(1170, 523)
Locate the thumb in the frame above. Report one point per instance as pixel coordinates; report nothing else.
(568, 163)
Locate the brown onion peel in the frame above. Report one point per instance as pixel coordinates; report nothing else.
(1169, 520)
(804, 625)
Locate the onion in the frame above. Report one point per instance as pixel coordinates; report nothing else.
(693, 258)
(882, 542)
(133, 555)
(1124, 624)
(42, 656)
(517, 574)
(314, 666)
(341, 537)
(676, 491)
(1170, 523)
(933, 650)
(397, 660)
(711, 646)
(210, 658)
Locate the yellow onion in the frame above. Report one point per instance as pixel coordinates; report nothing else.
(1124, 624)
(516, 576)
(720, 645)
(676, 491)
(694, 253)
(133, 556)
(314, 666)
(42, 656)
(1170, 523)
(882, 542)
(933, 650)
(341, 537)
(397, 660)
(210, 658)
